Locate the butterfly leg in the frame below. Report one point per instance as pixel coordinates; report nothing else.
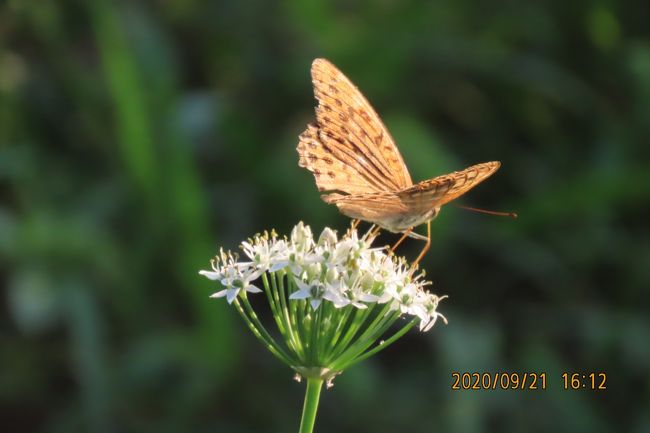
(404, 236)
(426, 246)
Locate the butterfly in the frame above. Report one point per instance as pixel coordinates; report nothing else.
(358, 167)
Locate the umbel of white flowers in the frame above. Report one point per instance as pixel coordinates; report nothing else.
(331, 300)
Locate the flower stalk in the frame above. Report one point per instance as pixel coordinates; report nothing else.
(310, 406)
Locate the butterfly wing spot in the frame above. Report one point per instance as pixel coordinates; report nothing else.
(364, 116)
(331, 174)
(328, 160)
(343, 117)
(332, 136)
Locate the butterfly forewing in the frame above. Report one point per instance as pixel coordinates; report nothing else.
(349, 126)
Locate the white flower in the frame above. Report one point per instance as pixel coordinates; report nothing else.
(314, 291)
(327, 237)
(346, 272)
(429, 304)
(266, 255)
(235, 284)
(234, 276)
(301, 237)
(217, 272)
(337, 297)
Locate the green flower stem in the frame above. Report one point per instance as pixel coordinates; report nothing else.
(278, 312)
(348, 332)
(303, 318)
(380, 325)
(382, 345)
(358, 320)
(315, 328)
(290, 335)
(274, 307)
(309, 408)
(261, 333)
(341, 323)
(328, 327)
(293, 314)
(277, 308)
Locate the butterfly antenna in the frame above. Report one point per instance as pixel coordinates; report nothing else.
(512, 215)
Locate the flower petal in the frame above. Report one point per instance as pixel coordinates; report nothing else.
(253, 289)
(231, 294)
(277, 266)
(300, 294)
(211, 275)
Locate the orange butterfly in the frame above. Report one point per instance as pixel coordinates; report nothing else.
(356, 162)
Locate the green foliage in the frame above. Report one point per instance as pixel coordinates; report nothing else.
(137, 136)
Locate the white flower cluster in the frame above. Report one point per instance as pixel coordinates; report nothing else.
(346, 272)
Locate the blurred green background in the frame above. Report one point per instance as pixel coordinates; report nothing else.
(137, 137)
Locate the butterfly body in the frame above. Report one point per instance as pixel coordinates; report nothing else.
(404, 222)
(397, 223)
(358, 167)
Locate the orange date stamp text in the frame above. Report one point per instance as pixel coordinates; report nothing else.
(498, 380)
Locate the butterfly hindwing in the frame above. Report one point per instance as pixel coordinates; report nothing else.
(461, 182)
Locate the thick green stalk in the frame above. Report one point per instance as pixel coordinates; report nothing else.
(309, 408)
